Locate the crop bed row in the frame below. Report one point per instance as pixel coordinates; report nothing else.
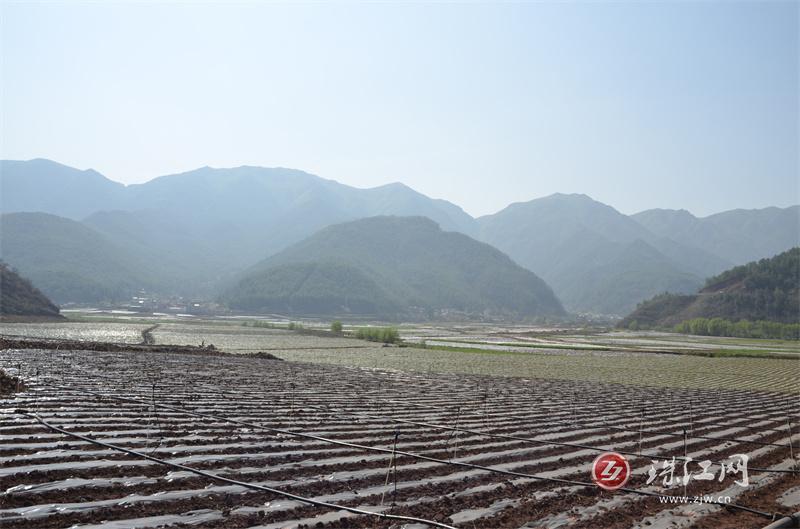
(467, 446)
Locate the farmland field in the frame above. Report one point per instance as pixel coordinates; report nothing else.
(479, 433)
(474, 350)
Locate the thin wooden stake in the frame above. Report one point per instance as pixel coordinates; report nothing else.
(453, 435)
(394, 458)
(485, 404)
(574, 412)
(685, 459)
(392, 464)
(641, 426)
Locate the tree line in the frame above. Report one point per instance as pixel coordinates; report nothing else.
(739, 329)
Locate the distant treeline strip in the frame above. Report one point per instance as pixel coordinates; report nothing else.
(371, 334)
(378, 334)
(739, 329)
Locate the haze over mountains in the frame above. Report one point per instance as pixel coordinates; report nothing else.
(70, 261)
(739, 235)
(192, 233)
(224, 219)
(595, 258)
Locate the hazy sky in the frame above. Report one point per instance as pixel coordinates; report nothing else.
(678, 105)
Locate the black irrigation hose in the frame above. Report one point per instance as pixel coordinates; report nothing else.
(530, 440)
(395, 453)
(211, 475)
(406, 421)
(662, 432)
(787, 522)
(708, 437)
(626, 417)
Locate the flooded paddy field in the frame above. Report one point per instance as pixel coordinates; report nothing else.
(117, 332)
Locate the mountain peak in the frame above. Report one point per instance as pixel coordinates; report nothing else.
(394, 186)
(570, 196)
(666, 213)
(579, 200)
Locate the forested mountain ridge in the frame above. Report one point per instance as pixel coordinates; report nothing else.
(393, 266)
(768, 289)
(18, 297)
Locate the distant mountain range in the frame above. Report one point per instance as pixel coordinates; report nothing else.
(195, 232)
(737, 236)
(768, 289)
(595, 258)
(210, 222)
(393, 266)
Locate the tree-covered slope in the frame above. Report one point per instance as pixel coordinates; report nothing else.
(18, 297)
(393, 265)
(768, 290)
(312, 288)
(69, 261)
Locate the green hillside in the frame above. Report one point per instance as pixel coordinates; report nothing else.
(18, 297)
(69, 261)
(765, 290)
(393, 266)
